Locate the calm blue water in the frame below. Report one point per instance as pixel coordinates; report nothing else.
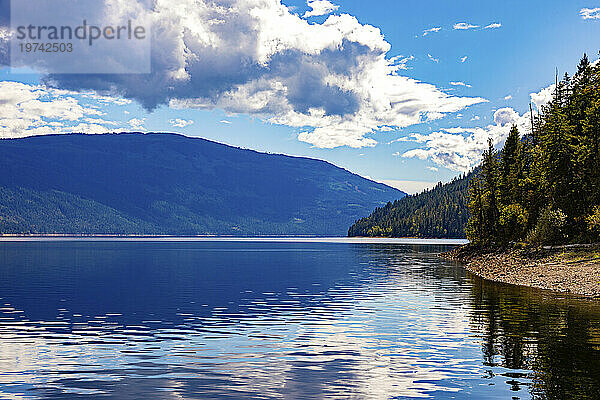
(236, 320)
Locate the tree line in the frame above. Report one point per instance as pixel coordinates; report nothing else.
(440, 212)
(544, 187)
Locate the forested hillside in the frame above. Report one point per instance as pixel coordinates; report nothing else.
(171, 184)
(545, 188)
(437, 213)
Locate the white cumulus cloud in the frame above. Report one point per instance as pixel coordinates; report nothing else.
(543, 97)
(458, 83)
(334, 81)
(27, 110)
(137, 123)
(464, 26)
(495, 25)
(432, 30)
(590, 13)
(400, 62)
(319, 7)
(180, 123)
(460, 149)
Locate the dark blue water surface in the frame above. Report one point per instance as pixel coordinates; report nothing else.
(236, 320)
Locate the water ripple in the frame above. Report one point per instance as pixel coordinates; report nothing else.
(199, 320)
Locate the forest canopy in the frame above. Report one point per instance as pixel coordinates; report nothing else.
(440, 212)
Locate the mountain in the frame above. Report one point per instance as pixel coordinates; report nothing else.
(440, 212)
(158, 183)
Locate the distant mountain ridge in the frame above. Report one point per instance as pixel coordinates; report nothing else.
(160, 183)
(440, 212)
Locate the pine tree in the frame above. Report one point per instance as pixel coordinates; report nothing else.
(490, 175)
(476, 223)
(510, 168)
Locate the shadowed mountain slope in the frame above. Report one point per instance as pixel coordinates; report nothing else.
(161, 183)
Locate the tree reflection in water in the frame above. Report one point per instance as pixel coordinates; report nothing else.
(555, 336)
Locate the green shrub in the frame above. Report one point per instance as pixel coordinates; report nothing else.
(512, 220)
(593, 222)
(549, 227)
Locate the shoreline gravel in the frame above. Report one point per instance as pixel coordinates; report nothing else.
(573, 269)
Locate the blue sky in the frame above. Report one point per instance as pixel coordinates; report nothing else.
(515, 56)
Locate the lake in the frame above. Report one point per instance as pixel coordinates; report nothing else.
(293, 319)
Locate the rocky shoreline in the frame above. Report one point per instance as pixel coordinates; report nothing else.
(573, 269)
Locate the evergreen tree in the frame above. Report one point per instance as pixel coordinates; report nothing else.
(490, 175)
(510, 168)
